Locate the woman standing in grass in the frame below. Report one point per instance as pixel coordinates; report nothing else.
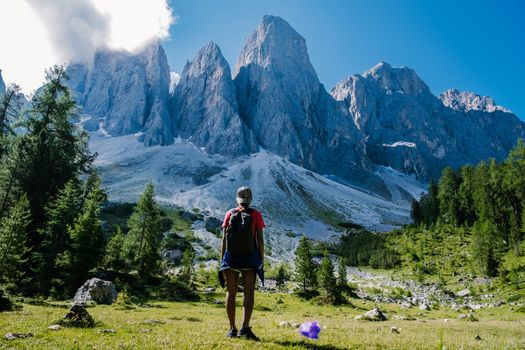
(242, 251)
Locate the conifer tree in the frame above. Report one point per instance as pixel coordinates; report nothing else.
(447, 196)
(13, 234)
(341, 269)
(61, 213)
(416, 213)
(467, 208)
(86, 237)
(281, 277)
(115, 255)
(483, 246)
(187, 272)
(305, 268)
(145, 233)
(10, 105)
(327, 279)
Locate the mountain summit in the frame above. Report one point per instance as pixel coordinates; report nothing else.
(124, 93)
(288, 109)
(413, 131)
(468, 101)
(205, 109)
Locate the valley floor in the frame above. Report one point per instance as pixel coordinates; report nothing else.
(203, 325)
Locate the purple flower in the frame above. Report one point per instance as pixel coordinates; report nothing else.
(310, 330)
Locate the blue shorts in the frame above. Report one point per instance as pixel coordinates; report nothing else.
(248, 262)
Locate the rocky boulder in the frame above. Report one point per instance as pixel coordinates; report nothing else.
(189, 216)
(97, 290)
(171, 256)
(212, 223)
(373, 315)
(77, 316)
(463, 293)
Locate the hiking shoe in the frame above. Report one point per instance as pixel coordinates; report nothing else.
(232, 333)
(246, 333)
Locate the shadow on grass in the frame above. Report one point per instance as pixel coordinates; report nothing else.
(308, 345)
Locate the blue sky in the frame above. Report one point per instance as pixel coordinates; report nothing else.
(475, 46)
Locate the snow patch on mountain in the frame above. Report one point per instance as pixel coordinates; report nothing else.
(400, 144)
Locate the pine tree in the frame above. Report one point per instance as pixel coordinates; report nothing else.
(145, 233)
(447, 195)
(13, 234)
(327, 280)
(467, 208)
(514, 187)
(115, 255)
(10, 105)
(56, 149)
(341, 276)
(416, 213)
(61, 213)
(187, 272)
(305, 269)
(281, 277)
(429, 204)
(86, 237)
(483, 246)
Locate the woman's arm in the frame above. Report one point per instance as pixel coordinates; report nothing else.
(260, 241)
(223, 242)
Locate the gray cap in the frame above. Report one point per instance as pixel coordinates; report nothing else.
(244, 195)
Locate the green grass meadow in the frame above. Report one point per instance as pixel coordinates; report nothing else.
(203, 325)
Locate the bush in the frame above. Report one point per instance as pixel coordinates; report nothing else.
(174, 290)
(358, 247)
(6, 304)
(165, 223)
(384, 259)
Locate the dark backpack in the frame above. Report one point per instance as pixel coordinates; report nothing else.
(240, 238)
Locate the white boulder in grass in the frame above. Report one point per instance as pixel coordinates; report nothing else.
(424, 307)
(463, 293)
(97, 290)
(373, 315)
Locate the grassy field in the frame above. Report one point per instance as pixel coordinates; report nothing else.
(203, 325)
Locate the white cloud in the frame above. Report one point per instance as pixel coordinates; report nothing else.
(39, 33)
(174, 80)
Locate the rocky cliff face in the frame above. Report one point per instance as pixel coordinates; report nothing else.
(288, 109)
(2, 84)
(411, 130)
(205, 109)
(125, 93)
(468, 101)
(386, 116)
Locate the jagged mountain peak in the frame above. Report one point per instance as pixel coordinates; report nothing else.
(204, 106)
(465, 101)
(125, 92)
(397, 79)
(274, 43)
(209, 55)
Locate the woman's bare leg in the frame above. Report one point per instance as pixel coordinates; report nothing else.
(232, 283)
(249, 295)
